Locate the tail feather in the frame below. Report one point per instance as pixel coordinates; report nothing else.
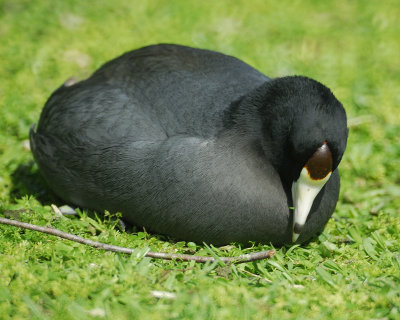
(39, 145)
(32, 137)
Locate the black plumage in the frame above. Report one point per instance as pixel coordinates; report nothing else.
(190, 143)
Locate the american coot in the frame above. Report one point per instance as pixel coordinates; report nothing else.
(196, 145)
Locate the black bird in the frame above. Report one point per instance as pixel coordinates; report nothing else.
(196, 145)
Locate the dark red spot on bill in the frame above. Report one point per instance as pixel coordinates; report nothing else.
(320, 163)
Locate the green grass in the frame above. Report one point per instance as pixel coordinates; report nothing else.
(352, 271)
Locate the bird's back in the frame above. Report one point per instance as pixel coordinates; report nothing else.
(151, 94)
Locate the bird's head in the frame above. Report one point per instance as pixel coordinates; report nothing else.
(305, 135)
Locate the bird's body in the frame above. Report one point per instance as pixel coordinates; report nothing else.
(175, 139)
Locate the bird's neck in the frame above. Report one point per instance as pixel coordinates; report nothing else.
(255, 120)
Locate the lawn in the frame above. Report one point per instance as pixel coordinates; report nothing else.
(351, 271)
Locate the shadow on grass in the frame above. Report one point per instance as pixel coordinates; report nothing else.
(27, 181)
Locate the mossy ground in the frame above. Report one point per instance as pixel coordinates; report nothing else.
(352, 271)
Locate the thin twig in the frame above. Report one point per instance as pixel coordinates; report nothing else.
(157, 255)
